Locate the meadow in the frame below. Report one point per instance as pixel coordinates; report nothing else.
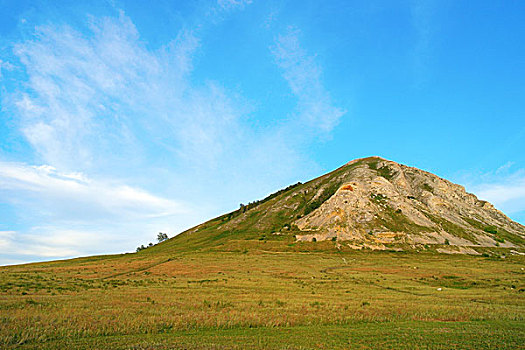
(265, 297)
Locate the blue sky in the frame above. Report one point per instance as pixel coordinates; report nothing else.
(120, 119)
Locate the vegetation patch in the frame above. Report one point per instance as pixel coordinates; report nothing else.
(327, 192)
(378, 198)
(491, 229)
(451, 227)
(500, 234)
(396, 221)
(427, 188)
(384, 171)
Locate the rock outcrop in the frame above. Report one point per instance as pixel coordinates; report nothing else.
(381, 202)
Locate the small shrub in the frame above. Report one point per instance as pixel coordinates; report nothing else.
(222, 304)
(428, 188)
(378, 198)
(327, 193)
(161, 237)
(491, 229)
(385, 172)
(280, 303)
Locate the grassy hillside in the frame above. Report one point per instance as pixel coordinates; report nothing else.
(457, 219)
(224, 299)
(260, 220)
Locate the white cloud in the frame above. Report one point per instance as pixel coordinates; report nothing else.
(504, 168)
(5, 239)
(44, 243)
(102, 101)
(88, 216)
(504, 187)
(5, 65)
(80, 196)
(98, 100)
(303, 74)
(73, 239)
(506, 193)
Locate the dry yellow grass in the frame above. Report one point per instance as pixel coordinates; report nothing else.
(150, 294)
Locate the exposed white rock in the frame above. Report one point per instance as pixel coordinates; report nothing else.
(389, 203)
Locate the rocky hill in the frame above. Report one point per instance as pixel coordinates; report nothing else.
(368, 203)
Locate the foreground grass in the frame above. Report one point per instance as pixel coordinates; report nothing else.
(357, 335)
(265, 299)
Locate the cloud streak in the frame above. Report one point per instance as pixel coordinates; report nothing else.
(88, 216)
(231, 4)
(505, 191)
(303, 74)
(84, 86)
(81, 196)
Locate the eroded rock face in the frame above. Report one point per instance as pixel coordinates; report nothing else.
(382, 202)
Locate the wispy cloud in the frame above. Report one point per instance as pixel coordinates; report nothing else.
(5, 66)
(303, 74)
(88, 216)
(79, 196)
(504, 188)
(51, 242)
(423, 13)
(84, 86)
(101, 99)
(230, 4)
(5, 239)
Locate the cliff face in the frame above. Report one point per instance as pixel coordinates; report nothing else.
(381, 202)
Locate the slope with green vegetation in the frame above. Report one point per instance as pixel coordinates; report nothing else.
(368, 203)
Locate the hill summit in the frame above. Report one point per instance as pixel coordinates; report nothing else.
(369, 203)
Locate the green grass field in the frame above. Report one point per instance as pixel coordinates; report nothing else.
(261, 297)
